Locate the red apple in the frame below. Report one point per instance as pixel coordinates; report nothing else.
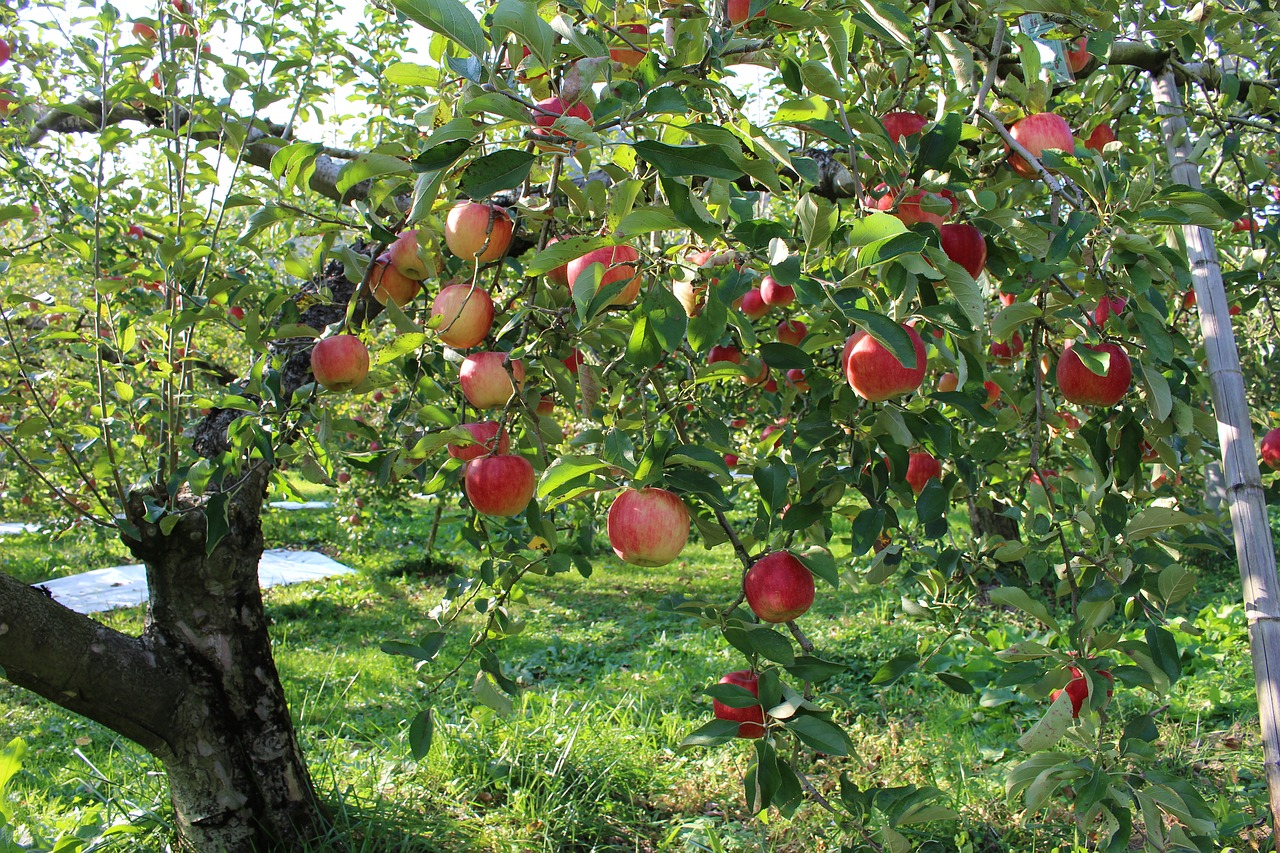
(910, 210)
(1270, 449)
(724, 353)
(1078, 688)
(965, 245)
(1189, 299)
(1004, 352)
(574, 361)
(546, 406)
(619, 264)
(1078, 55)
(144, 33)
(1046, 483)
(637, 34)
(500, 485)
(757, 372)
(1107, 306)
(795, 377)
(1234, 310)
(235, 312)
(485, 381)
(387, 282)
(779, 588)
(948, 382)
(484, 432)
(466, 315)
(340, 363)
(559, 275)
(1038, 133)
(648, 527)
(135, 232)
(1246, 223)
(404, 255)
(731, 459)
(753, 304)
(900, 125)
(751, 718)
(1101, 135)
(549, 111)
(921, 468)
(792, 332)
(1080, 385)
(1007, 299)
(993, 393)
(478, 232)
(776, 295)
(738, 10)
(771, 387)
(874, 372)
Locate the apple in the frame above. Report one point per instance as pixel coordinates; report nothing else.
(775, 294)
(771, 429)
(478, 232)
(1189, 299)
(724, 353)
(1270, 449)
(1078, 55)
(993, 393)
(484, 432)
(629, 57)
(235, 312)
(1046, 483)
(1149, 453)
(648, 527)
(757, 372)
(344, 478)
(1234, 310)
(551, 110)
(466, 314)
(144, 33)
(1246, 223)
(899, 125)
(619, 264)
(751, 718)
(404, 255)
(1004, 352)
(485, 381)
(135, 232)
(910, 209)
(1107, 306)
(559, 275)
(7, 103)
(874, 372)
(738, 10)
(499, 485)
(1078, 688)
(753, 304)
(965, 245)
(691, 296)
(574, 361)
(795, 377)
(340, 363)
(771, 387)
(731, 459)
(921, 468)
(1080, 385)
(792, 332)
(387, 282)
(1101, 135)
(546, 407)
(1038, 133)
(778, 587)
(948, 382)
(1007, 299)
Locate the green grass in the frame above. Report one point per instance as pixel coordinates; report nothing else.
(588, 760)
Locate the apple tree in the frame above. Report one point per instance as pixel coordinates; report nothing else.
(909, 306)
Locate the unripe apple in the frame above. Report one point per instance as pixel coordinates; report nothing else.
(792, 332)
(776, 295)
(404, 255)
(466, 315)
(478, 232)
(874, 372)
(340, 363)
(1082, 386)
(778, 587)
(753, 304)
(900, 125)
(548, 112)
(965, 245)
(629, 57)
(1038, 133)
(1270, 449)
(485, 381)
(387, 282)
(648, 527)
(619, 264)
(751, 718)
(484, 433)
(921, 468)
(500, 485)
(1098, 139)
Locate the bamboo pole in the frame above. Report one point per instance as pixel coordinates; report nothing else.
(1244, 496)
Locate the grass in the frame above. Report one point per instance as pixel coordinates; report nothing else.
(587, 761)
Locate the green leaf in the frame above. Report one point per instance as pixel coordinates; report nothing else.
(411, 74)
(1011, 596)
(1164, 652)
(713, 733)
(449, 18)
(1050, 728)
(673, 161)
(564, 470)
(489, 694)
(441, 156)
(1154, 334)
(1011, 317)
(894, 668)
(666, 317)
(888, 332)
(938, 145)
(818, 79)
(785, 356)
(420, 732)
(561, 252)
(873, 228)
(707, 328)
(885, 250)
(689, 214)
(1153, 519)
(819, 734)
(1158, 396)
(645, 220)
(401, 345)
(643, 347)
(219, 525)
(522, 19)
(808, 668)
(368, 166)
(492, 173)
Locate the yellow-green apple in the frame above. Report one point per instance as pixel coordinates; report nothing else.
(776, 295)
(753, 304)
(478, 232)
(485, 381)
(1098, 139)
(387, 282)
(778, 587)
(340, 363)
(965, 245)
(1078, 688)
(628, 56)
(648, 527)
(1038, 133)
(405, 256)
(751, 718)
(548, 112)
(1270, 449)
(499, 485)
(1082, 386)
(874, 372)
(899, 125)
(466, 315)
(921, 468)
(619, 264)
(484, 433)
(792, 332)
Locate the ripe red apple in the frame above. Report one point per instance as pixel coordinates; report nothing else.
(1080, 385)
(910, 211)
(1046, 483)
(1004, 352)
(1246, 223)
(546, 406)
(629, 57)
(1107, 306)
(921, 468)
(404, 255)
(757, 372)
(1078, 688)
(993, 393)
(1038, 133)
(795, 378)
(771, 387)
(144, 33)
(135, 232)
(751, 718)
(965, 245)
(235, 312)
(779, 588)
(792, 332)
(948, 382)
(574, 361)
(466, 315)
(1007, 299)
(724, 353)
(343, 478)
(899, 125)
(1270, 449)
(387, 282)
(737, 10)
(499, 485)
(484, 432)
(1078, 55)
(340, 363)
(731, 459)
(1101, 135)
(485, 381)
(478, 232)
(619, 264)
(549, 111)
(874, 372)
(648, 527)
(775, 294)
(753, 304)
(1189, 299)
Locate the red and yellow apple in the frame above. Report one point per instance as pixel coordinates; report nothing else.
(648, 527)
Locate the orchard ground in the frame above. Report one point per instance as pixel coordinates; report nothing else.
(588, 759)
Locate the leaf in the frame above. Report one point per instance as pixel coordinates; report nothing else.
(785, 356)
(1018, 599)
(402, 345)
(819, 734)
(522, 18)
(441, 156)
(645, 220)
(492, 173)
(1164, 652)
(713, 733)
(1011, 317)
(564, 470)
(643, 347)
(888, 332)
(673, 161)
(1158, 396)
(1050, 728)
(449, 18)
(808, 668)
(369, 166)
(938, 145)
(689, 214)
(411, 74)
(488, 693)
(420, 732)
(561, 252)
(883, 251)
(894, 668)
(219, 525)
(874, 227)
(1153, 519)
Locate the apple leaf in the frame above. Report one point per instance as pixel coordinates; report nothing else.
(885, 250)
(707, 328)
(643, 347)
(785, 357)
(562, 251)
(565, 470)
(666, 317)
(368, 166)
(821, 563)
(411, 74)
(1050, 728)
(956, 683)
(888, 332)
(691, 215)
(771, 479)
(1011, 596)
(699, 457)
(501, 170)
(401, 345)
(713, 733)
(819, 734)
(522, 19)
(938, 145)
(1011, 317)
(646, 220)
(874, 227)
(674, 161)
(896, 667)
(420, 732)
(733, 695)
(449, 18)
(931, 508)
(1153, 519)
(488, 693)
(1159, 345)
(441, 156)
(809, 668)
(589, 46)
(967, 403)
